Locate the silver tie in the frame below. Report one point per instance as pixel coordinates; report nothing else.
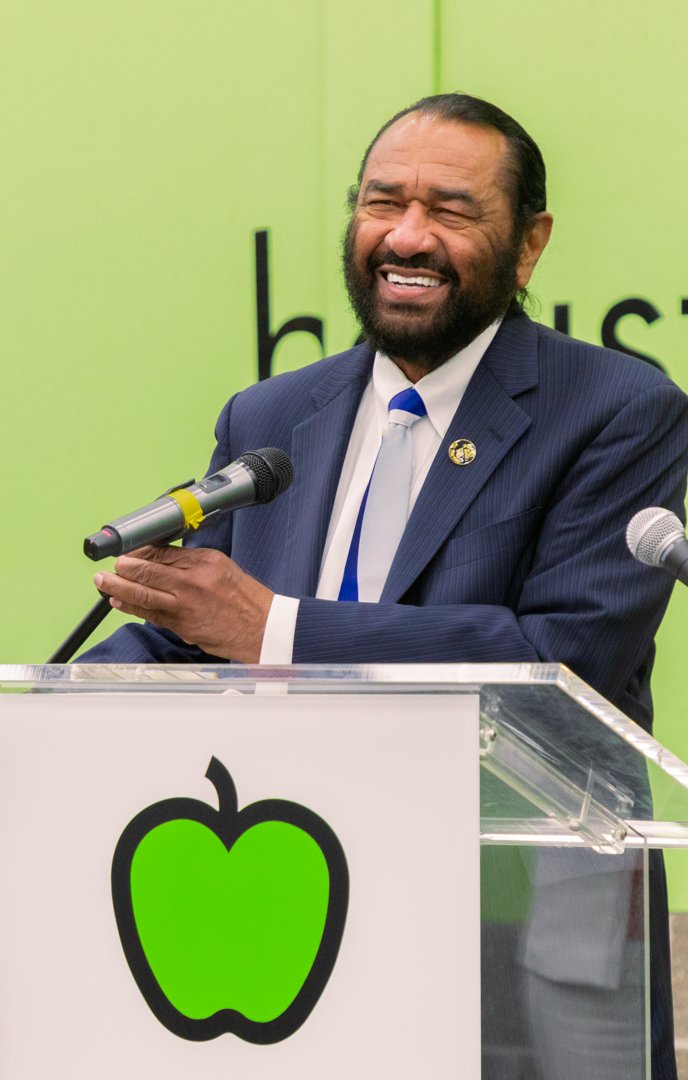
(387, 505)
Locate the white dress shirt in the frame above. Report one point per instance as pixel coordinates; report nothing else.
(441, 391)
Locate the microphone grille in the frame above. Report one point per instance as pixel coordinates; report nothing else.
(650, 532)
(272, 470)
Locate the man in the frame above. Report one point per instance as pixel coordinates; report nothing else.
(530, 453)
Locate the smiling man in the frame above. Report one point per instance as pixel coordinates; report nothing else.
(434, 251)
(464, 478)
(519, 554)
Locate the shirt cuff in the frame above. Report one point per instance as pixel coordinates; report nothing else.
(280, 628)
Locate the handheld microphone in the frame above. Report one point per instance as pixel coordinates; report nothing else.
(255, 477)
(655, 536)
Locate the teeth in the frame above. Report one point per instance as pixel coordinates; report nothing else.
(427, 282)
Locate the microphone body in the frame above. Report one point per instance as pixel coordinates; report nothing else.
(676, 560)
(655, 537)
(255, 477)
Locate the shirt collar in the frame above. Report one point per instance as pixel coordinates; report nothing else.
(441, 389)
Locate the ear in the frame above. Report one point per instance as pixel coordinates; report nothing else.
(532, 247)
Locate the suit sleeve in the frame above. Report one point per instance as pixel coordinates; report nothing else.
(586, 602)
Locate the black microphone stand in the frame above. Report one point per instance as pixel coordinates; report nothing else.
(80, 633)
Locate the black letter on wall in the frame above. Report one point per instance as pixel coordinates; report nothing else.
(633, 306)
(267, 341)
(562, 318)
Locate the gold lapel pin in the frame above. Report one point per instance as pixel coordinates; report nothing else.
(462, 452)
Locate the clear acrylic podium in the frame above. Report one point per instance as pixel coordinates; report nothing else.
(507, 940)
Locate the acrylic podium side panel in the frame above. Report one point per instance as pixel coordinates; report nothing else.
(564, 964)
(393, 776)
(565, 988)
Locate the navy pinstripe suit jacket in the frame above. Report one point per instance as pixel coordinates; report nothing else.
(517, 556)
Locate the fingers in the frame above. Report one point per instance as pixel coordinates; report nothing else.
(150, 581)
(198, 593)
(149, 566)
(154, 575)
(136, 585)
(171, 556)
(150, 615)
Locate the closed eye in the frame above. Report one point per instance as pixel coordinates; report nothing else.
(452, 216)
(383, 205)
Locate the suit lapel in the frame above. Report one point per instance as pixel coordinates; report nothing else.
(493, 421)
(318, 448)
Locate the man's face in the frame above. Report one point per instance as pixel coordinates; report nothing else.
(430, 259)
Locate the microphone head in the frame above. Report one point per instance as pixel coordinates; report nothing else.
(650, 532)
(271, 469)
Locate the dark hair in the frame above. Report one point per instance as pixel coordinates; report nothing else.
(526, 169)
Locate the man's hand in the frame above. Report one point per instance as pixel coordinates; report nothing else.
(198, 593)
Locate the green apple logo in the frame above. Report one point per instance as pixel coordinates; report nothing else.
(230, 920)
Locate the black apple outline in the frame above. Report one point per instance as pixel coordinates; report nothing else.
(228, 822)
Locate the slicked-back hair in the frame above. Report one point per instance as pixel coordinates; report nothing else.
(526, 179)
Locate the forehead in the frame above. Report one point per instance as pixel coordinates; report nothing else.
(425, 150)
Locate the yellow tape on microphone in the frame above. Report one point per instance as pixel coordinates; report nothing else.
(189, 506)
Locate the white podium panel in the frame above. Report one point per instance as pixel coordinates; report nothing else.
(393, 778)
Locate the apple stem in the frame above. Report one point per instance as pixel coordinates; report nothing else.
(221, 780)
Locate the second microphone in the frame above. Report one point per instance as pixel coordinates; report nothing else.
(258, 476)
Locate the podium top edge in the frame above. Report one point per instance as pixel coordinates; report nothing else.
(486, 680)
(456, 677)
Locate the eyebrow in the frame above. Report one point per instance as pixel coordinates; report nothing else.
(440, 194)
(381, 188)
(454, 195)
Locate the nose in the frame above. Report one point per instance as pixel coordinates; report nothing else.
(412, 232)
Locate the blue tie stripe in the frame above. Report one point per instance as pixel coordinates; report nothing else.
(349, 587)
(408, 401)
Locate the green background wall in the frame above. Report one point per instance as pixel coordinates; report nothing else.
(145, 141)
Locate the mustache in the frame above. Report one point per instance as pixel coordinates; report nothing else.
(413, 262)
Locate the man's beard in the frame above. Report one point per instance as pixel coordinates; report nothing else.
(416, 337)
